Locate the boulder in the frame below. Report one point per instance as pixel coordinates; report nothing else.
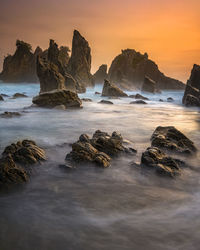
(192, 91)
(112, 90)
(138, 102)
(141, 97)
(86, 100)
(106, 102)
(7, 114)
(101, 74)
(170, 99)
(19, 95)
(171, 139)
(4, 95)
(130, 67)
(58, 97)
(1, 98)
(97, 93)
(149, 85)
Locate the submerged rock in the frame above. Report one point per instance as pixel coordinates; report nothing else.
(169, 138)
(7, 114)
(97, 93)
(141, 97)
(58, 97)
(19, 95)
(138, 102)
(149, 85)
(86, 100)
(1, 98)
(112, 90)
(101, 74)
(170, 99)
(106, 102)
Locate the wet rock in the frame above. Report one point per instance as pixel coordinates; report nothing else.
(58, 97)
(141, 97)
(160, 162)
(101, 74)
(4, 95)
(1, 98)
(169, 138)
(130, 67)
(132, 96)
(7, 114)
(192, 101)
(161, 100)
(112, 90)
(106, 102)
(19, 95)
(138, 102)
(86, 100)
(149, 85)
(97, 93)
(170, 99)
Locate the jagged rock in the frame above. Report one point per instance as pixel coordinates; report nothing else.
(106, 102)
(160, 162)
(112, 90)
(20, 67)
(1, 98)
(97, 150)
(149, 85)
(170, 99)
(138, 102)
(130, 67)
(192, 91)
(171, 139)
(15, 160)
(7, 114)
(138, 96)
(19, 95)
(79, 65)
(101, 74)
(58, 97)
(86, 100)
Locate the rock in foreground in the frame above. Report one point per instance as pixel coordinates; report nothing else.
(112, 90)
(58, 97)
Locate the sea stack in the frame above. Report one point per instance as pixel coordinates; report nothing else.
(101, 74)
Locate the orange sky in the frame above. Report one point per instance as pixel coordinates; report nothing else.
(169, 31)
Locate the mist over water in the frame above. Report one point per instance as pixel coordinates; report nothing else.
(90, 208)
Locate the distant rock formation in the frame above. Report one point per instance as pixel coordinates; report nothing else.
(192, 91)
(79, 65)
(101, 74)
(112, 90)
(149, 85)
(20, 67)
(130, 67)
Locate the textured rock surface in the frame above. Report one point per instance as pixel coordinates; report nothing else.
(58, 97)
(192, 91)
(20, 67)
(169, 138)
(130, 67)
(101, 74)
(149, 85)
(112, 90)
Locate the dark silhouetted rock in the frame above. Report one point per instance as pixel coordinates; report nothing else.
(112, 90)
(20, 67)
(192, 91)
(170, 99)
(101, 74)
(7, 114)
(106, 102)
(138, 96)
(97, 93)
(161, 100)
(130, 67)
(149, 85)
(4, 95)
(171, 139)
(138, 102)
(1, 98)
(58, 97)
(19, 95)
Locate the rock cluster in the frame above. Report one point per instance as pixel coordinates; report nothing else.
(112, 90)
(101, 74)
(98, 150)
(16, 160)
(192, 91)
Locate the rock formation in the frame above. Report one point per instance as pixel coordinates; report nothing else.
(101, 74)
(79, 65)
(112, 90)
(58, 97)
(20, 67)
(192, 91)
(149, 85)
(130, 67)
(1, 98)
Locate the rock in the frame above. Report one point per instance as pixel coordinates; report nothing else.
(1, 98)
(86, 100)
(161, 100)
(58, 97)
(138, 96)
(4, 95)
(170, 99)
(106, 102)
(192, 91)
(171, 139)
(7, 114)
(97, 150)
(60, 107)
(149, 85)
(129, 69)
(20, 67)
(132, 96)
(112, 90)
(19, 95)
(138, 102)
(101, 74)
(160, 162)
(79, 65)
(97, 93)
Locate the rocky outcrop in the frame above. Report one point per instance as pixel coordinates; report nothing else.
(58, 97)
(79, 65)
(130, 67)
(192, 91)
(19, 95)
(16, 160)
(20, 67)
(98, 150)
(8, 114)
(101, 74)
(112, 90)
(171, 139)
(149, 85)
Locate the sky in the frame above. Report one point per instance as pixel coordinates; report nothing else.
(169, 31)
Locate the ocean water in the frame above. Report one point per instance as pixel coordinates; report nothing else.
(91, 208)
